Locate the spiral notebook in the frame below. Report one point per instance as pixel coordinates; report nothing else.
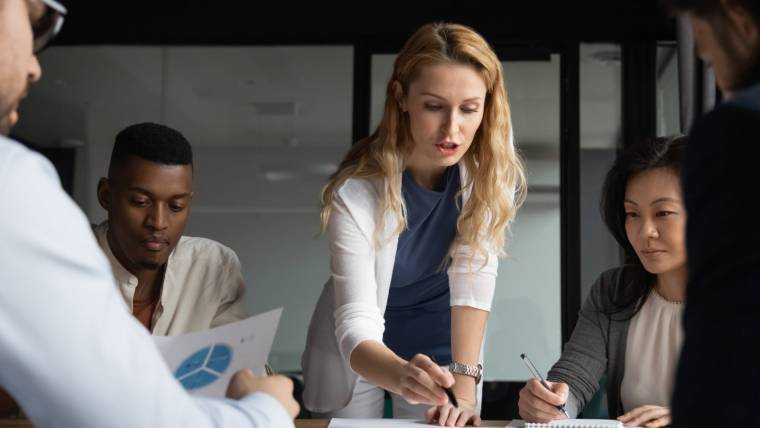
(572, 423)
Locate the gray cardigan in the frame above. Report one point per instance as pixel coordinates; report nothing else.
(597, 346)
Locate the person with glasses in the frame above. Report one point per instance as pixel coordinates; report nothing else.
(48, 19)
(71, 354)
(48, 25)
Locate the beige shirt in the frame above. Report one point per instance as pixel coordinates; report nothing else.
(654, 341)
(203, 286)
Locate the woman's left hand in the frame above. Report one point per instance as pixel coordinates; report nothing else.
(450, 416)
(648, 416)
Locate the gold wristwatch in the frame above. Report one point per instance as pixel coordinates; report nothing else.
(467, 370)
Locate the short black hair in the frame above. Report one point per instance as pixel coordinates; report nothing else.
(653, 153)
(708, 7)
(153, 142)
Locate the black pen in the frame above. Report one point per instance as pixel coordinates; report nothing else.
(452, 397)
(538, 376)
(449, 392)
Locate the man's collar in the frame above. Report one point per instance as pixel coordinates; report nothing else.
(123, 276)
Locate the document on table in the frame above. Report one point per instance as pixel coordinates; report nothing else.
(570, 423)
(382, 423)
(379, 423)
(204, 361)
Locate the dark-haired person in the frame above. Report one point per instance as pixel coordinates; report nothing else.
(718, 374)
(630, 325)
(71, 355)
(173, 284)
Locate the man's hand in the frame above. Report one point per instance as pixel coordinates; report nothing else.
(244, 382)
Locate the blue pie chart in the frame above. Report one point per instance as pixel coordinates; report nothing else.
(204, 367)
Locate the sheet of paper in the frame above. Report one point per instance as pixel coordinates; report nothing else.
(379, 423)
(205, 361)
(570, 423)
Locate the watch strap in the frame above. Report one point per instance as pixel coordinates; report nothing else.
(475, 372)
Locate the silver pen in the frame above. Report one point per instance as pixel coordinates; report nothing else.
(538, 376)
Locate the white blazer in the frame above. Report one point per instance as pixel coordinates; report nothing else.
(351, 307)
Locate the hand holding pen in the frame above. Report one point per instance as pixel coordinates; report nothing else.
(542, 401)
(448, 390)
(454, 412)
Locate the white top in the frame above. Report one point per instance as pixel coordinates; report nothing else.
(71, 355)
(655, 336)
(202, 287)
(351, 307)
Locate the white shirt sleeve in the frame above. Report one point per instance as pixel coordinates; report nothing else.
(472, 278)
(352, 270)
(71, 354)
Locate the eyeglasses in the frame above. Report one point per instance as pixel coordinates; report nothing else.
(46, 28)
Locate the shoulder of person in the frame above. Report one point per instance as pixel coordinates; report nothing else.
(726, 139)
(726, 120)
(205, 250)
(357, 188)
(611, 283)
(19, 162)
(361, 194)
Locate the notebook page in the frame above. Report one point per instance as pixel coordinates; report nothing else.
(572, 423)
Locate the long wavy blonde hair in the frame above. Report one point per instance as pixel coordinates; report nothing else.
(495, 171)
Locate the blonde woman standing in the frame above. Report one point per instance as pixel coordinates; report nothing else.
(416, 217)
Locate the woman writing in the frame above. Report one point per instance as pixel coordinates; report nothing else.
(630, 325)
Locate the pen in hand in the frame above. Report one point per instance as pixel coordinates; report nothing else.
(538, 376)
(452, 397)
(449, 392)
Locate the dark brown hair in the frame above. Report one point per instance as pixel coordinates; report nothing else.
(661, 152)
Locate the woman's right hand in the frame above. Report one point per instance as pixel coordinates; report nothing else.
(422, 381)
(538, 404)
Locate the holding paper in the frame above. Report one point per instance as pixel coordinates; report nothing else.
(204, 362)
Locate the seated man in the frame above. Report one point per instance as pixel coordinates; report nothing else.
(172, 284)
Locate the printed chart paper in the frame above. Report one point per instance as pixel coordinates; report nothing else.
(204, 361)
(376, 423)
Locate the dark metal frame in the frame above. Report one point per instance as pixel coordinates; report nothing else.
(639, 90)
(570, 182)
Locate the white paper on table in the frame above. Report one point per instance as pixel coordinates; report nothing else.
(379, 423)
(205, 361)
(570, 423)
